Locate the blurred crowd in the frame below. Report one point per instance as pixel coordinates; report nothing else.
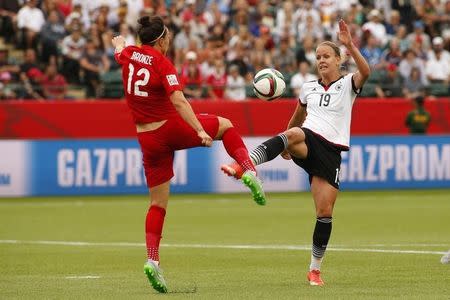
(217, 46)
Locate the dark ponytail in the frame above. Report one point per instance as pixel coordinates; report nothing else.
(151, 29)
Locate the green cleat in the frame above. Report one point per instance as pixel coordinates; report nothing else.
(154, 275)
(250, 179)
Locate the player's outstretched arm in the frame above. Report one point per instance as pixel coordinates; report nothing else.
(363, 67)
(119, 43)
(185, 110)
(298, 116)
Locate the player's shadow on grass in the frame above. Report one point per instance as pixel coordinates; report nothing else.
(186, 290)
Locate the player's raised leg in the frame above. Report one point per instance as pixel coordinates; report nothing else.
(154, 222)
(291, 140)
(236, 148)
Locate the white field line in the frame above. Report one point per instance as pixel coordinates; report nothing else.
(209, 246)
(83, 277)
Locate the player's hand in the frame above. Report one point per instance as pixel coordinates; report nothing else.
(118, 43)
(285, 154)
(344, 35)
(206, 139)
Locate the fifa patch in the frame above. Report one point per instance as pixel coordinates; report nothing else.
(172, 79)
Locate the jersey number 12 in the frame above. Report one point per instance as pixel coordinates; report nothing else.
(138, 83)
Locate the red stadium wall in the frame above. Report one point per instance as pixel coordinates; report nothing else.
(110, 119)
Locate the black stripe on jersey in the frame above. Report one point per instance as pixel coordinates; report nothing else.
(357, 91)
(326, 87)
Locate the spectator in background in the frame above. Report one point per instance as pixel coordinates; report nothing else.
(303, 75)
(30, 75)
(54, 86)
(409, 62)
(235, 85)
(127, 32)
(48, 6)
(191, 77)
(418, 119)
(372, 51)
(95, 34)
(355, 14)
(390, 83)
(285, 58)
(309, 28)
(64, 7)
(392, 55)
(72, 48)
(443, 20)
(77, 17)
(402, 37)
(413, 86)
(8, 69)
(376, 27)
(438, 47)
(285, 25)
(181, 42)
(108, 48)
(266, 37)
(30, 20)
(120, 17)
(93, 63)
(393, 24)
(419, 36)
(8, 17)
(217, 80)
(101, 16)
(6, 91)
(308, 51)
(240, 60)
(52, 34)
(305, 10)
(259, 57)
(437, 67)
(134, 9)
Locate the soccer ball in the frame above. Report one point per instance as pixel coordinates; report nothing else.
(268, 84)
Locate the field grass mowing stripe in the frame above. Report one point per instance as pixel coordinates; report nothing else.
(209, 246)
(83, 277)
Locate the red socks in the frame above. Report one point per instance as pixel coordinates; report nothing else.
(153, 230)
(235, 147)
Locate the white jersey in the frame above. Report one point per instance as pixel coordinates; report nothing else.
(329, 109)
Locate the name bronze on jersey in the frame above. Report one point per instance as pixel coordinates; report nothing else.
(142, 58)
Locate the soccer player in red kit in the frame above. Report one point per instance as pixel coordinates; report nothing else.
(165, 122)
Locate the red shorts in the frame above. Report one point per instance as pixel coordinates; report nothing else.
(158, 146)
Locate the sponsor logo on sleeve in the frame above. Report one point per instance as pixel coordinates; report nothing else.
(172, 79)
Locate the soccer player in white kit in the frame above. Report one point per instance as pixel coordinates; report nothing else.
(318, 131)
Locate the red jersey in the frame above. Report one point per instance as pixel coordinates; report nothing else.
(149, 79)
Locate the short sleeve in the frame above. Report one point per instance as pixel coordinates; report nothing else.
(355, 90)
(169, 77)
(302, 97)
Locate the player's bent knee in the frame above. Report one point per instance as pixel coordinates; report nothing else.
(224, 123)
(295, 135)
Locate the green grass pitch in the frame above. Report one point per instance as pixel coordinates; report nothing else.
(384, 245)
